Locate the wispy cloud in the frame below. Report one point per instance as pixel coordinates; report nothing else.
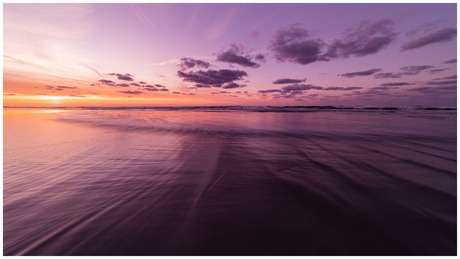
(443, 35)
(361, 73)
(220, 25)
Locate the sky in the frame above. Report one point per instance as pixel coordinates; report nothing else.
(388, 54)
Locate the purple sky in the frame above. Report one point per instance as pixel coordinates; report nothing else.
(273, 54)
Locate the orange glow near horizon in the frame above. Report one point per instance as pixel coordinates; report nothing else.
(10, 100)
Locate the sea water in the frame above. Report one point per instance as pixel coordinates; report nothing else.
(230, 181)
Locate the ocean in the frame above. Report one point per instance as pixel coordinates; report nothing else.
(230, 180)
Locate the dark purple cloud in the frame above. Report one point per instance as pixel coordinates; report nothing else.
(232, 85)
(150, 88)
(260, 57)
(293, 44)
(442, 35)
(433, 71)
(361, 73)
(301, 87)
(420, 89)
(414, 70)
(288, 81)
(388, 75)
(106, 82)
(448, 87)
(237, 55)
(187, 63)
(135, 84)
(450, 82)
(158, 85)
(123, 85)
(350, 88)
(451, 61)
(176, 92)
(142, 82)
(125, 77)
(363, 39)
(447, 78)
(202, 86)
(270, 91)
(164, 90)
(130, 92)
(396, 84)
(383, 88)
(212, 78)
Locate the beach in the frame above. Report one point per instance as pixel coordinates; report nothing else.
(230, 181)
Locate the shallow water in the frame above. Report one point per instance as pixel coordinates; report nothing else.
(229, 182)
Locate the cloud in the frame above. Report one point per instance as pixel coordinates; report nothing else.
(438, 70)
(237, 55)
(135, 84)
(442, 35)
(232, 85)
(187, 63)
(270, 91)
(361, 73)
(65, 87)
(126, 77)
(164, 90)
(396, 84)
(130, 92)
(414, 70)
(451, 61)
(106, 82)
(301, 87)
(212, 78)
(388, 75)
(158, 85)
(447, 77)
(350, 88)
(363, 39)
(448, 87)
(383, 88)
(293, 44)
(123, 85)
(202, 86)
(176, 92)
(142, 82)
(420, 89)
(288, 81)
(260, 57)
(442, 82)
(150, 88)
(92, 68)
(59, 87)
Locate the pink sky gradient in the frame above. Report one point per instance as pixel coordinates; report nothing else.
(338, 54)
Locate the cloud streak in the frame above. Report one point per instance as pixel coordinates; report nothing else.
(288, 81)
(361, 73)
(443, 35)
